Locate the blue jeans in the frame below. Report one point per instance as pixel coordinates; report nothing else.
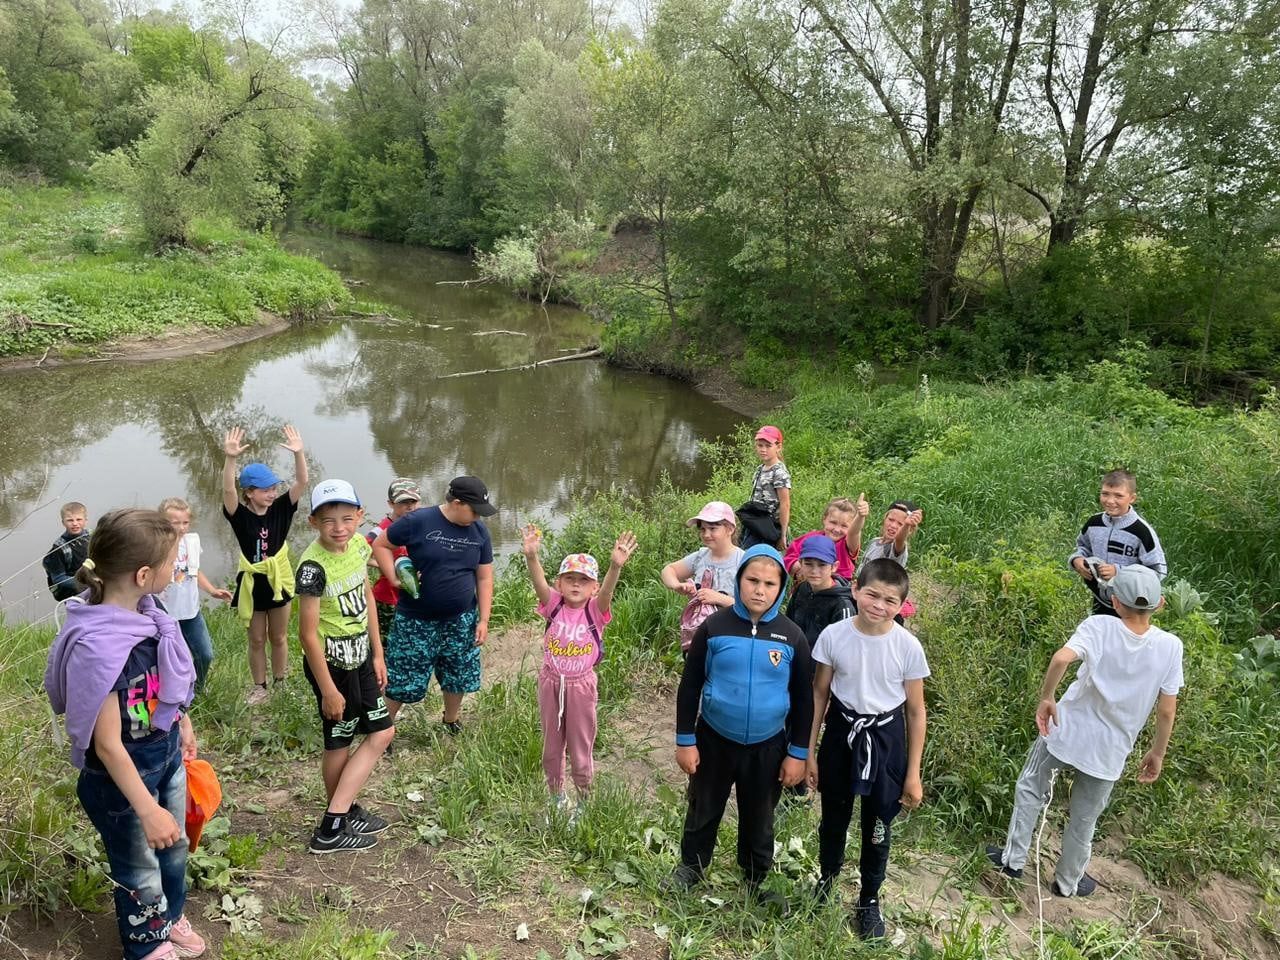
(150, 886)
(196, 632)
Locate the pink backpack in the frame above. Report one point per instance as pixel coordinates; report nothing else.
(695, 612)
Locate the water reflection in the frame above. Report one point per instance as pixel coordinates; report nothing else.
(366, 396)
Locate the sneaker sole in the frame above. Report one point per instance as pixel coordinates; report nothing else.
(349, 849)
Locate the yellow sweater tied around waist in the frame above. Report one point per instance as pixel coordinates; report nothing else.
(279, 573)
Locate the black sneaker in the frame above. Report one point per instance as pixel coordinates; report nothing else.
(452, 727)
(823, 889)
(683, 879)
(363, 822)
(1084, 888)
(996, 856)
(869, 922)
(344, 841)
(769, 900)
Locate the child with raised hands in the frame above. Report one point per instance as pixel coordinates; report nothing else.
(842, 523)
(260, 519)
(121, 672)
(576, 610)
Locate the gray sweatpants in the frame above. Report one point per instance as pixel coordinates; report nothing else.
(1089, 797)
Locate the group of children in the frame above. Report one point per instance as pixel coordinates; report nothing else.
(828, 696)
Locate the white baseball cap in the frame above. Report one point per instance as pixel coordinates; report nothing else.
(333, 491)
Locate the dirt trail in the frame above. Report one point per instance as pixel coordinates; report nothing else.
(428, 894)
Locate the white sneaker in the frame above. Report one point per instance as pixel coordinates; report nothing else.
(257, 695)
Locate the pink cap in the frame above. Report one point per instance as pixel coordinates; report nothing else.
(582, 563)
(772, 434)
(717, 511)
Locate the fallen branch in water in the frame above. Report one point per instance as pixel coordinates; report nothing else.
(584, 355)
(462, 283)
(496, 333)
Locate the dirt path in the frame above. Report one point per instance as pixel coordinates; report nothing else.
(429, 893)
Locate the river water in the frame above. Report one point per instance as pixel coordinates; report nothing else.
(368, 399)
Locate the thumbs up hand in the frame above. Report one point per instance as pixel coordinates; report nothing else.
(862, 506)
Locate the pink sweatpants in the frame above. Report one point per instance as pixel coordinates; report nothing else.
(575, 732)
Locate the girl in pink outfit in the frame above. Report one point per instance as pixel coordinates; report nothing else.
(576, 610)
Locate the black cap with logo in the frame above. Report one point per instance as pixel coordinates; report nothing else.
(471, 491)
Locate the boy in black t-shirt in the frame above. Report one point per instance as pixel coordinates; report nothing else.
(260, 519)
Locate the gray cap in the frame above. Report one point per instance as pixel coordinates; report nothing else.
(1136, 586)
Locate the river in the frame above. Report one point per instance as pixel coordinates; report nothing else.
(369, 401)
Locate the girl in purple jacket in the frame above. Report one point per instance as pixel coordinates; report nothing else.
(122, 673)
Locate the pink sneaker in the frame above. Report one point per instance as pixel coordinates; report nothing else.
(163, 951)
(186, 942)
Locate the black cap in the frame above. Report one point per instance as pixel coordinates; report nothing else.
(471, 491)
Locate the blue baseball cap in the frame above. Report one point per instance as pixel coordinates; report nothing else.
(818, 547)
(257, 476)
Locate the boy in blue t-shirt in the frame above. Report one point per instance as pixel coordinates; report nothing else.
(442, 629)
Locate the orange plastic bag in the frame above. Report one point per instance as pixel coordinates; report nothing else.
(204, 794)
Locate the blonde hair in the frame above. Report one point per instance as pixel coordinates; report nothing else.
(843, 504)
(124, 542)
(75, 506)
(174, 503)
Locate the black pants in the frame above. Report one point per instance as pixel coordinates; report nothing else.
(835, 776)
(1101, 609)
(753, 769)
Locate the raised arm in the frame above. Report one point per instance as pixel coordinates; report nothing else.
(853, 539)
(622, 550)
(293, 443)
(530, 538)
(905, 532)
(232, 447)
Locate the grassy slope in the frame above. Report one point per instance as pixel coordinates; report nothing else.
(1005, 476)
(72, 274)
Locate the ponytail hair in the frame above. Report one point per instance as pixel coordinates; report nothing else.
(123, 542)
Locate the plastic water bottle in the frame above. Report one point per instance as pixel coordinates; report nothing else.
(407, 576)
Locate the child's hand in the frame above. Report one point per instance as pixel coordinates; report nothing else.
(1046, 716)
(333, 705)
(862, 507)
(1149, 769)
(530, 538)
(160, 828)
(914, 519)
(811, 772)
(221, 593)
(688, 588)
(688, 759)
(187, 737)
(707, 595)
(233, 442)
(912, 793)
(1106, 570)
(1082, 568)
(792, 771)
(380, 672)
(623, 548)
(292, 439)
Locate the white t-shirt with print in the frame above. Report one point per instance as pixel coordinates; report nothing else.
(1120, 676)
(869, 672)
(182, 597)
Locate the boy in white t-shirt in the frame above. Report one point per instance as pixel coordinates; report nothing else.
(1127, 666)
(871, 671)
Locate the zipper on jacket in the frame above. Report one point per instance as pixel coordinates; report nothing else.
(751, 676)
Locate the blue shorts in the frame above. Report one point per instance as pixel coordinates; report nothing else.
(417, 648)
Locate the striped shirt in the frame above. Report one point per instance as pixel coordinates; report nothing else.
(1120, 541)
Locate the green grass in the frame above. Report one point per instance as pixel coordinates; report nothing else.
(1005, 476)
(73, 273)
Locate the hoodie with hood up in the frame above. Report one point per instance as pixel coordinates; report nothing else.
(91, 651)
(748, 680)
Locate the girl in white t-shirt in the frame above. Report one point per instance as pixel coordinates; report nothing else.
(182, 597)
(576, 612)
(716, 525)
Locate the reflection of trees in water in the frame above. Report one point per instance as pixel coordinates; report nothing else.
(189, 402)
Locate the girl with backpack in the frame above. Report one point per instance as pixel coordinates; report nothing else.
(576, 610)
(706, 576)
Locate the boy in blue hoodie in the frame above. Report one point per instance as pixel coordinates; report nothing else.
(743, 712)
